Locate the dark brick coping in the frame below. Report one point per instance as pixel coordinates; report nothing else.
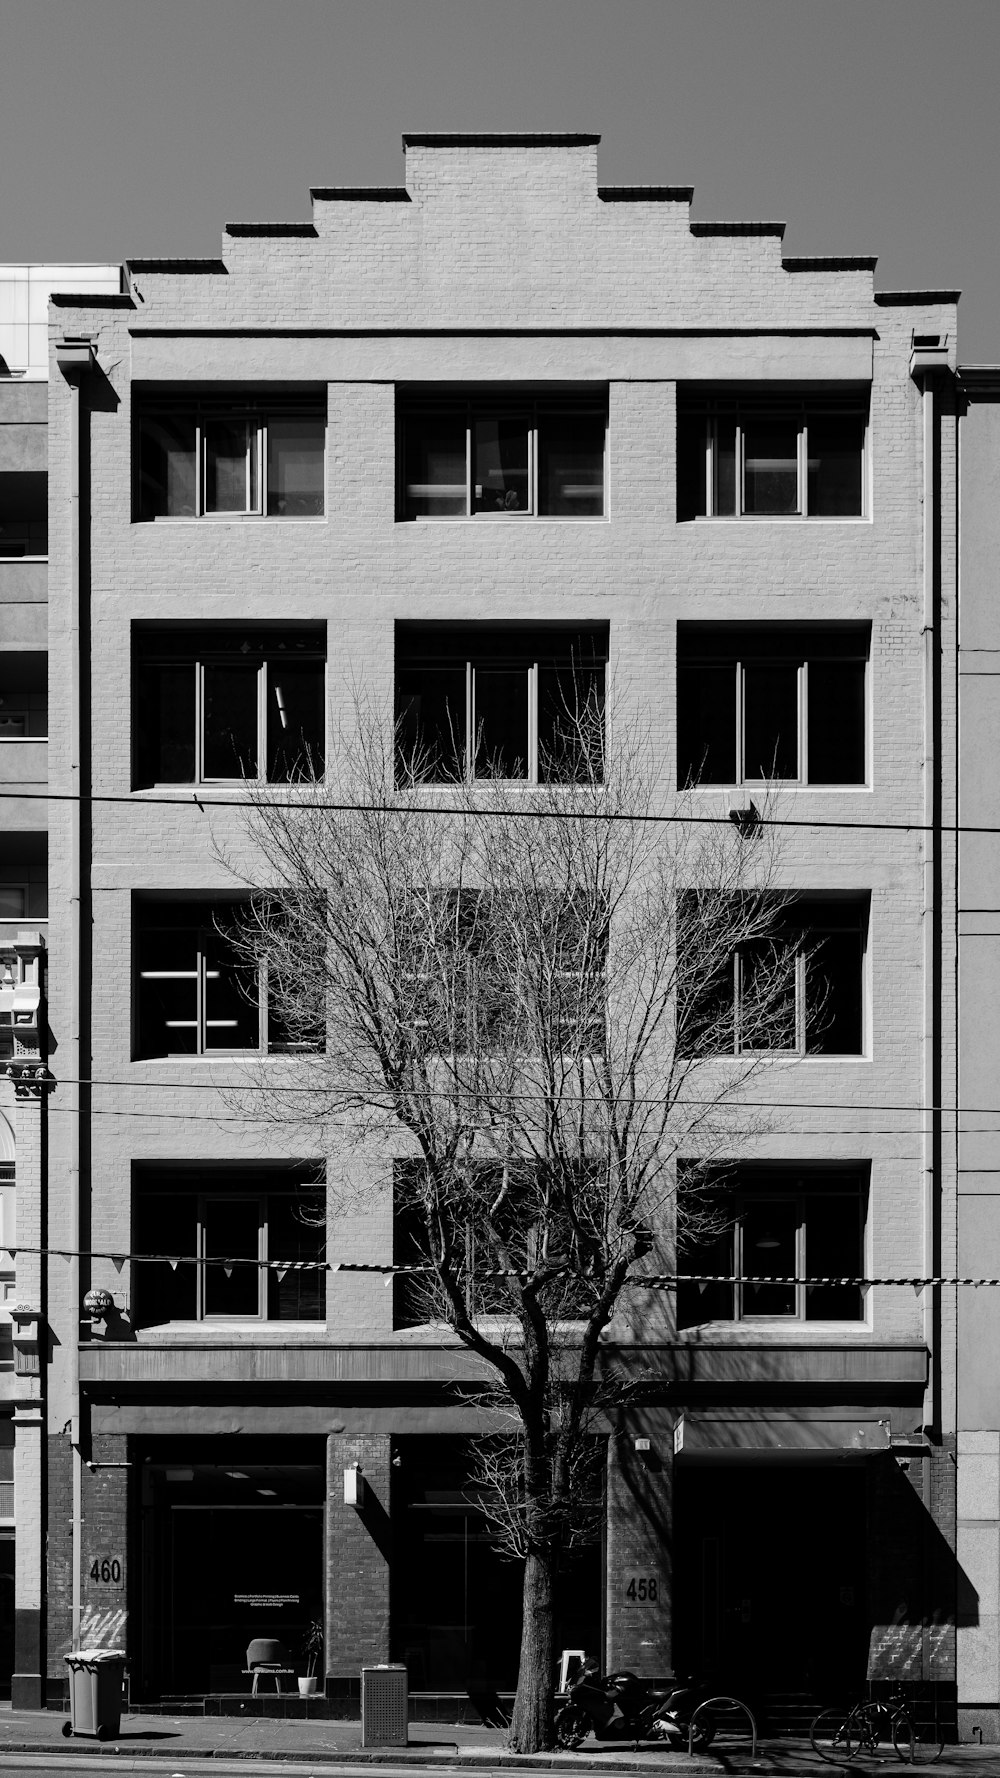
(212, 267)
(271, 228)
(739, 228)
(499, 139)
(360, 194)
(645, 194)
(917, 296)
(831, 262)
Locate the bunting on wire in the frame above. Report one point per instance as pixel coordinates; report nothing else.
(638, 1281)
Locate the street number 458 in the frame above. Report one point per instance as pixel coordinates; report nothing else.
(643, 1589)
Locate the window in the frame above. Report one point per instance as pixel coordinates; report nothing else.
(789, 1223)
(195, 996)
(799, 989)
(218, 706)
(270, 1225)
(226, 458)
(502, 456)
(24, 698)
(531, 1237)
(8, 1230)
(472, 985)
(478, 701)
(24, 513)
(762, 702)
(771, 455)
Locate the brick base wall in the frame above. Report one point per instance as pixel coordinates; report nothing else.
(639, 1541)
(357, 1558)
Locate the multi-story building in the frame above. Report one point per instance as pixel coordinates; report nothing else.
(497, 417)
(24, 367)
(976, 1096)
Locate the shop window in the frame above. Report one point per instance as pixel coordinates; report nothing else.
(248, 1246)
(798, 988)
(195, 995)
(478, 701)
(500, 456)
(773, 454)
(761, 702)
(24, 513)
(228, 705)
(773, 1232)
(240, 457)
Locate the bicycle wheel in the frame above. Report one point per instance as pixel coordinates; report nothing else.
(836, 1735)
(704, 1732)
(918, 1739)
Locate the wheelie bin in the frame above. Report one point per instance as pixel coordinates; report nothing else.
(95, 1692)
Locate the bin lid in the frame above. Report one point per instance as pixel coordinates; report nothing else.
(89, 1656)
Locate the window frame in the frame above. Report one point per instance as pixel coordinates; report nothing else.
(256, 414)
(771, 405)
(489, 655)
(804, 1185)
(250, 1186)
(152, 647)
(743, 646)
(505, 404)
(265, 1046)
(801, 934)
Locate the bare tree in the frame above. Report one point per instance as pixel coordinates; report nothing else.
(531, 991)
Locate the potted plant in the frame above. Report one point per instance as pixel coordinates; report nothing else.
(312, 1648)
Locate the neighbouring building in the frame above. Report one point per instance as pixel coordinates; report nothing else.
(24, 641)
(486, 423)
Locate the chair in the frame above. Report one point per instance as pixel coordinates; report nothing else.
(265, 1655)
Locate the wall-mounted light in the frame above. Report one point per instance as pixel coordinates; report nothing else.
(354, 1486)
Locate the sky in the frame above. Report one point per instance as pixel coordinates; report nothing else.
(140, 127)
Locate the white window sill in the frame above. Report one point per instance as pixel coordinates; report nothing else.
(764, 787)
(776, 518)
(235, 518)
(235, 1332)
(508, 518)
(764, 1332)
(186, 793)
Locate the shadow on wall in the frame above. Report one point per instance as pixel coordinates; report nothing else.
(918, 1590)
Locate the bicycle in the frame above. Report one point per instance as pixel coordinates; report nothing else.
(839, 1735)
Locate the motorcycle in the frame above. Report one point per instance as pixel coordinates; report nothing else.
(622, 1707)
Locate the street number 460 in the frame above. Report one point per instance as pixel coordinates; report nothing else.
(108, 1569)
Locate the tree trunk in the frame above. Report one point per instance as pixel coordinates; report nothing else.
(531, 1722)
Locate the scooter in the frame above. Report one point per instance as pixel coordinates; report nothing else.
(622, 1707)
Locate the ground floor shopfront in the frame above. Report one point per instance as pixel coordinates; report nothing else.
(786, 1546)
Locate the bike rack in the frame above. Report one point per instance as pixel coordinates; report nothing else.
(730, 1703)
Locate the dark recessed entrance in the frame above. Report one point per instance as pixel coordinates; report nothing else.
(456, 1602)
(231, 1549)
(770, 1587)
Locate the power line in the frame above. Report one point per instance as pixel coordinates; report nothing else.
(207, 1086)
(205, 802)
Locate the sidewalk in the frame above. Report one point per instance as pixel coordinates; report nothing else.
(328, 1742)
(338, 1744)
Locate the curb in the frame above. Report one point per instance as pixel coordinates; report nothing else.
(545, 1762)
